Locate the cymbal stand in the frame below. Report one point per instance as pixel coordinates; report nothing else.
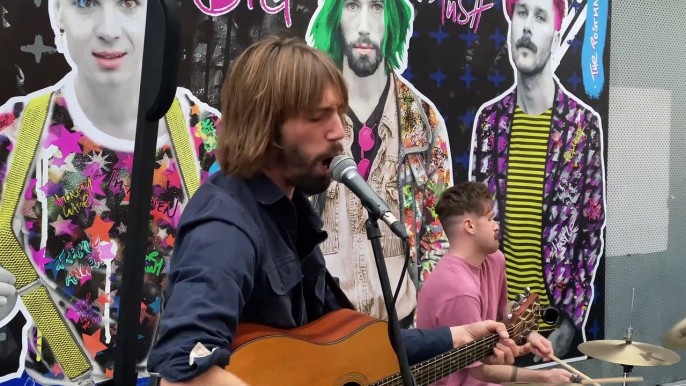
(627, 370)
(628, 338)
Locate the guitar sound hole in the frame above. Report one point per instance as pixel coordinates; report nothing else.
(352, 384)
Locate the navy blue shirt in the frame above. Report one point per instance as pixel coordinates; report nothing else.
(245, 252)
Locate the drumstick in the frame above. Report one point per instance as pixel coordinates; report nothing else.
(571, 369)
(612, 380)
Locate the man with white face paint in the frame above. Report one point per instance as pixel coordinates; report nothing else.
(399, 142)
(70, 216)
(540, 149)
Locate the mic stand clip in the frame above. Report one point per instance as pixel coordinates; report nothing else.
(374, 236)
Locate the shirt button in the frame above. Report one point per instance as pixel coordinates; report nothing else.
(359, 238)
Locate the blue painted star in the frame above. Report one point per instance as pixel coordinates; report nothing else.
(498, 4)
(115, 302)
(497, 37)
(69, 291)
(575, 44)
(468, 118)
(595, 330)
(438, 77)
(408, 74)
(467, 76)
(463, 159)
(576, 4)
(53, 266)
(439, 35)
(415, 34)
(155, 306)
(496, 78)
(469, 37)
(140, 336)
(574, 80)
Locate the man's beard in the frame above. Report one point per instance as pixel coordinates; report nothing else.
(303, 175)
(364, 65)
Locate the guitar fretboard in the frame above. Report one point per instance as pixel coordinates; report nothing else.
(439, 367)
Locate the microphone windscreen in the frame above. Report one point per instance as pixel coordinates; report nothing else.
(339, 164)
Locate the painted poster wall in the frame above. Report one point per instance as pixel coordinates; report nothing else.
(446, 63)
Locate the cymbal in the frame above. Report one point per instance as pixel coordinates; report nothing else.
(675, 338)
(632, 354)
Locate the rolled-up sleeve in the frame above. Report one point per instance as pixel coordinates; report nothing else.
(211, 276)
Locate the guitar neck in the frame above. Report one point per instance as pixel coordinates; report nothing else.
(437, 368)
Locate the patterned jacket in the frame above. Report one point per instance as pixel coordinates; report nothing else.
(574, 194)
(412, 168)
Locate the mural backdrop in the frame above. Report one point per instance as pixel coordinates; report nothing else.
(449, 88)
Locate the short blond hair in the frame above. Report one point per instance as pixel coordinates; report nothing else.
(273, 80)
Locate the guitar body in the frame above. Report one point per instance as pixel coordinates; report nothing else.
(343, 348)
(347, 348)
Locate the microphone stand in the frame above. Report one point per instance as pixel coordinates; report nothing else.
(374, 236)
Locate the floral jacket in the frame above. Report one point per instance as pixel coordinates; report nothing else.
(412, 169)
(574, 194)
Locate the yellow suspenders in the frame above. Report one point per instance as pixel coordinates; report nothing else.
(13, 257)
(181, 142)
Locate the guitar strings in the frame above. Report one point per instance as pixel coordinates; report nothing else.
(428, 372)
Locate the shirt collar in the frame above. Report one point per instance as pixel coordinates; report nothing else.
(268, 193)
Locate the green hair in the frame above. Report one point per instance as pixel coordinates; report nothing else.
(326, 32)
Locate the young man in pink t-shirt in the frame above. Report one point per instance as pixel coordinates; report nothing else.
(469, 285)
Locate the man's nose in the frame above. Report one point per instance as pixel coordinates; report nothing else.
(337, 132)
(108, 28)
(363, 25)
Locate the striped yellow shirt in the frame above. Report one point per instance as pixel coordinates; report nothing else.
(524, 206)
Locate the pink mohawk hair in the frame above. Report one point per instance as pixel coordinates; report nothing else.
(560, 7)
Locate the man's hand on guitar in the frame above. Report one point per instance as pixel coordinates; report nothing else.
(469, 332)
(504, 351)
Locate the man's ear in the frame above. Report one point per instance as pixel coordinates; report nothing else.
(556, 42)
(55, 8)
(57, 23)
(468, 225)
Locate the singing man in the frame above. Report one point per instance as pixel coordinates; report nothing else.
(248, 242)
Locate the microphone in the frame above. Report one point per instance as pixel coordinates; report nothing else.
(344, 170)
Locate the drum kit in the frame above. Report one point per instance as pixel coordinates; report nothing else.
(629, 354)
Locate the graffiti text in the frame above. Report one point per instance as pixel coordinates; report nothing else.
(449, 11)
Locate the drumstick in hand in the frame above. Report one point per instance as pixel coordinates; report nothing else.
(571, 369)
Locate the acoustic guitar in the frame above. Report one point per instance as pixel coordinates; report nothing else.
(347, 348)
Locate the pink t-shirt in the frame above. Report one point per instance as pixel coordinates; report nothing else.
(458, 293)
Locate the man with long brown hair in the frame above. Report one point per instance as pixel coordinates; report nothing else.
(248, 243)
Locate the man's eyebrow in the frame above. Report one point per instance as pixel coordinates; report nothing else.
(540, 10)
